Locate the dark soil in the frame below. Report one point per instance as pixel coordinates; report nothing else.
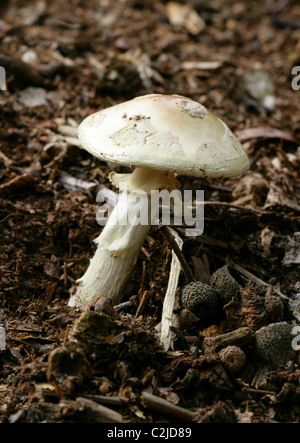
(61, 365)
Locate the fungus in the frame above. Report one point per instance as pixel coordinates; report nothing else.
(160, 136)
(273, 344)
(200, 299)
(223, 283)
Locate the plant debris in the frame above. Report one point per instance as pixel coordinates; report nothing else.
(66, 60)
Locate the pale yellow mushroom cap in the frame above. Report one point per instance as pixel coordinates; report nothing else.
(164, 132)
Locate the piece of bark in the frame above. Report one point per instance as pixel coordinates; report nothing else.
(168, 317)
(239, 337)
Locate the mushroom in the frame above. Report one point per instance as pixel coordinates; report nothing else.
(200, 299)
(224, 284)
(160, 136)
(273, 344)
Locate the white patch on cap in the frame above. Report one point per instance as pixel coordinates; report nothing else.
(193, 109)
(208, 150)
(139, 133)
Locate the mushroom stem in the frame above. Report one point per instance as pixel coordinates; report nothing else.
(121, 240)
(145, 179)
(118, 247)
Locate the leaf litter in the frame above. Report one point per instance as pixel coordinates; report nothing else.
(107, 364)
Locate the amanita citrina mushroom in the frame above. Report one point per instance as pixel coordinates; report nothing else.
(160, 136)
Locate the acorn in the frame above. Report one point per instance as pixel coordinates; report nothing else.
(200, 299)
(224, 284)
(233, 359)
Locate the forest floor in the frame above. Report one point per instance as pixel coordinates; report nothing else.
(65, 60)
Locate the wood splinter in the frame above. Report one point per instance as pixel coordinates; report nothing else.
(169, 300)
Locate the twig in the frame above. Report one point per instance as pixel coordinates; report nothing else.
(66, 336)
(143, 301)
(253, 278)
(185, 267)
(246, 273)
(257, 391)
(100, 413)
(142, 289)
(126, 304)
(166, 408)
(106, 400)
